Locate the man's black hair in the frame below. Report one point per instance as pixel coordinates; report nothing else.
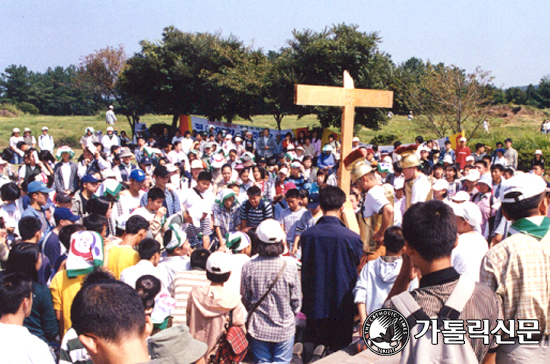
(28, 227)
(217, 278)
(20, 144)
(331, 198)
(204, 176)
(95, 222)
(393, 239)
(99, 205)
(227, 165)
(148, 287)
(254, 191)
(270, 250)
(232, 185)
(136, 223)
(10, 192)
(538, 164)
(419, 139)
(498, 166)
(148, 248)
(199, 258)
(155, 193)
(110, 310)
(523, 208)
(14, 288)
(487, 158)
(22, 259)
(98, 275)
(292, 193)
(397, 167)
(479, 145)
(430, 228)
(481, 161)
(65, 234)
(448, 142)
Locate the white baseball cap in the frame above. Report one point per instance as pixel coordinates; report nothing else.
(486, 178)
(448, 159)
(461, 196)
(538, 151)
(355, 139)
(440, 185)
(44, 128)
(521, 187)
(27, 129)
(463, 139)
(15, 130)
(470, 158)
(470, 212)
(111, 107)
(283, 170)
(196, 164)
(110, 128)
(218, 263)
(270, 232)
(398, 183)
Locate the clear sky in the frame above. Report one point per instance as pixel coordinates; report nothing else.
(509, 38)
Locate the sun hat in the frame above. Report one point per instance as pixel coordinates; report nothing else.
(473, 175)
(175, 345)
(237, 241)
(197, 164)
(486, 178)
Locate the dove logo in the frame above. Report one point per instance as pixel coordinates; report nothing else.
(385, 332)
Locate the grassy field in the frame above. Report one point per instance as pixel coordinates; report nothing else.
(69, 129)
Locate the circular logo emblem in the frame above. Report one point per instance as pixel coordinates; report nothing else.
(385, 332)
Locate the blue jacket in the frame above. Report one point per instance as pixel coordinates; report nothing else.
(330, 255)
(326, 160)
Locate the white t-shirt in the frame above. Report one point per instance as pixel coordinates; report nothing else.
(420, 190)
(19, 346)
(234, 281)
(375, 201)
(11, 215)
(66, 173)
(130, 202)
(467, 255)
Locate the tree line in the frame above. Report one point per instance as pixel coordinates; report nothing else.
(222, 78)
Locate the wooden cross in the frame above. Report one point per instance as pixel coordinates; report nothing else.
(349, 98)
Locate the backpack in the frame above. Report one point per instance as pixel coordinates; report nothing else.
(422, 350)
(7, 154)
(233, 345)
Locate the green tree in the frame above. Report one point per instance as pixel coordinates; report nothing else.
(195, 73)
(516, 95)
(320, 58)
(543, 92)
(447, 99)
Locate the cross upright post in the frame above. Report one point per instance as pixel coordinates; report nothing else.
(348, 98)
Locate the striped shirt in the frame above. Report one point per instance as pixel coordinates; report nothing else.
(227, 221)
(195, 234)
(180, 289)
(517, 269)
(436, 288)
(289, 219)
(255, 215)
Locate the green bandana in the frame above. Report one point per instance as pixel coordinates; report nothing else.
(529, 228)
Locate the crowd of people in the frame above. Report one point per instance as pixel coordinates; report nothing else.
(171, 248)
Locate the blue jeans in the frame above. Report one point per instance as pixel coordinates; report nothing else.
(267, 352)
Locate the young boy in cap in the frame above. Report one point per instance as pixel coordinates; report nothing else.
(517, 268)
(226, 214)
(471, 246)
(211, 306)
(38, 193)
(131, 197)
(51, 247)
(177, 253)
(80, 199)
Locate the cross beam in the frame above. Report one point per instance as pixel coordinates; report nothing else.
(348, 98)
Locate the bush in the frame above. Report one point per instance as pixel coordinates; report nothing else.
(28, 108)
(9, 109)
(384, 139)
